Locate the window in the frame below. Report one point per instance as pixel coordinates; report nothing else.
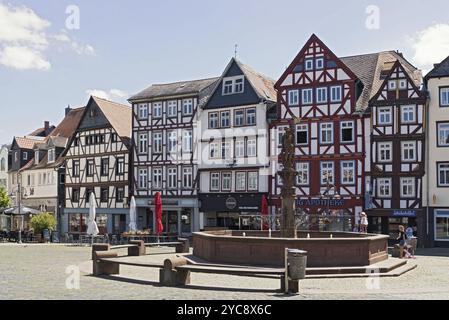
(187, 141)
(443, 135)
(172, 108)
(408, 114)
(319, 63)
(143, 143)
(293, 97)
(104, 194)
(143, 111)
(384, 188)
(408, 151)
(143, 179)
(89, 191)
(16, 156)
(226, 150)
(157, 142)
(120, 194)
(321, 95)
(347, 132)
(407, 187)
(281, 132)
(114, 137)
(105, 167)
(303, 173)
(384, 116)
(253, 181)
(157, 178)
(90, 168)
(187, 178)
(172, 178)
(327, 173)
(213, 150)
(392, 85)
(51, 155)
(239, 148)
(25, 155)
(442, 225)
(157, 110)
(307, 96)
(76, 141)
(75, 168)
(172, 141)
(443, 174)
(233, 85)
(239, 118)
(214, 181)
(225, 119)
(336, 94)
(347, 172)
(326, 133)
(226, 181)
(403, 84)
(187, 106)
(3, 164)
(251, 117)
(75, 195)
(444, 97)
(213, 120)
(385, 151)
(309, 64)
(240, 181)
(302, 134)
(251, 148)
(120, 169)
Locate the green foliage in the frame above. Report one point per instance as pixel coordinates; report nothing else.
(43, 221)
(5, 201)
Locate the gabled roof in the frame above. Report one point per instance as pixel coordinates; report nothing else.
(118, 115)
(68, 125)
(27, 142)
(173, 89)
(41, 131)
(440, 70)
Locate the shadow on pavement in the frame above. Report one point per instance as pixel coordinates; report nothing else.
(432, 252)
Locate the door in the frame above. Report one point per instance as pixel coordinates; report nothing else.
(186, 222)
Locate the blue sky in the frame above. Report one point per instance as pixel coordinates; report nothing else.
(122, 47)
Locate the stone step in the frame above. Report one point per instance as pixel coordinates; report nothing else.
(383, 267)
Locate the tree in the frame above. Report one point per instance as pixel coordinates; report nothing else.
(5, 201)
(43, 221)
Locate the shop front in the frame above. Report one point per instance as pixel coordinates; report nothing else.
(233, 211)
(441, 227)
(387, 222)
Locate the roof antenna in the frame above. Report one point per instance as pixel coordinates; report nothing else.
(235, 51)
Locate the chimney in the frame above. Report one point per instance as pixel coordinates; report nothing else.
(46, 126)
(67, 110)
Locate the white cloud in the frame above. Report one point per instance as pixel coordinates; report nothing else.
(430, 45)
(23, 39)
(112, 95)
(23, 58)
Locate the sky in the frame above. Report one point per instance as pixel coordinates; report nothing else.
(55, 53)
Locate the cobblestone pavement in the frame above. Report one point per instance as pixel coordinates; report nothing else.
(39, 272)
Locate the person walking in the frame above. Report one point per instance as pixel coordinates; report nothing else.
(363, 223)
(402, 238)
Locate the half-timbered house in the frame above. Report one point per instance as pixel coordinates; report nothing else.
(234, 163)
(97, 161)
(165, 148)
(397, 149)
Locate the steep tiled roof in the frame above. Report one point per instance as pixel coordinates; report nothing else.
(174, 89)
(263, 85)
(68, 125)
(439, 70)
(41, 131)
(118, 115)
(27, 142)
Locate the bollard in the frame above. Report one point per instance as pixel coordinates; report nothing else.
(170, 277)
(184, 246)
(105, 267)
(138, 250)
(99, 247)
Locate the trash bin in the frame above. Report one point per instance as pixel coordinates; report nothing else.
(297, 263)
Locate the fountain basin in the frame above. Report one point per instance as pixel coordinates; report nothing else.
(325, 249)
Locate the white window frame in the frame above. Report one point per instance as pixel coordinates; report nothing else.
(322, 99)
(303, 177)
(308, 65)
(172, 108)
(215, 177)
(233, 83)
(157, 110)
(240, 181)
(403, 84)
(408, 110)
(444, 97)
(380, 147)
(226, 150)
(253, 181)
(143, 143)
(51, 155)
(345, 125)
(280, 135)
(345, 167)
(187, 107)
(251, 147)
(172, 141)
(307, 93)
(325, 168)
(249, 111)
(293, 98)
(172, 178)
(382, 112)
(239, 148)
(143, 178)
(443, 167)
(410, 186)
(213, 150)
(384, 182)
(157, 178)
(440, 213)
(187, 141)
(440, 141)
(187, 177)
(336, 94)
(406, 146)
(318, 65)
(302, 128)
(327, 127)
(392, 85)
(224, 177)
(142, 111)
(157, 143)
(240, 116)
(216, 120)
(228, 117)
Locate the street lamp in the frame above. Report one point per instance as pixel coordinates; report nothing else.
(19, 203)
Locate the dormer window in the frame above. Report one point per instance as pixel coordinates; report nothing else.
(36, 157)
(403, 84)
(93, 113)
(233, 85)
(392, 85)
(51, 155)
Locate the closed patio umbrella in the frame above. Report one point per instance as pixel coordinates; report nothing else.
(92, 228)
(132, 215)
(158, 208)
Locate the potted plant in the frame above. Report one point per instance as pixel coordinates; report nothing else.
(43, 222)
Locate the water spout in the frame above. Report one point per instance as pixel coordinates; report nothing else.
(332, 236)
(244, 234)
(269, 233)
(308, 236)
